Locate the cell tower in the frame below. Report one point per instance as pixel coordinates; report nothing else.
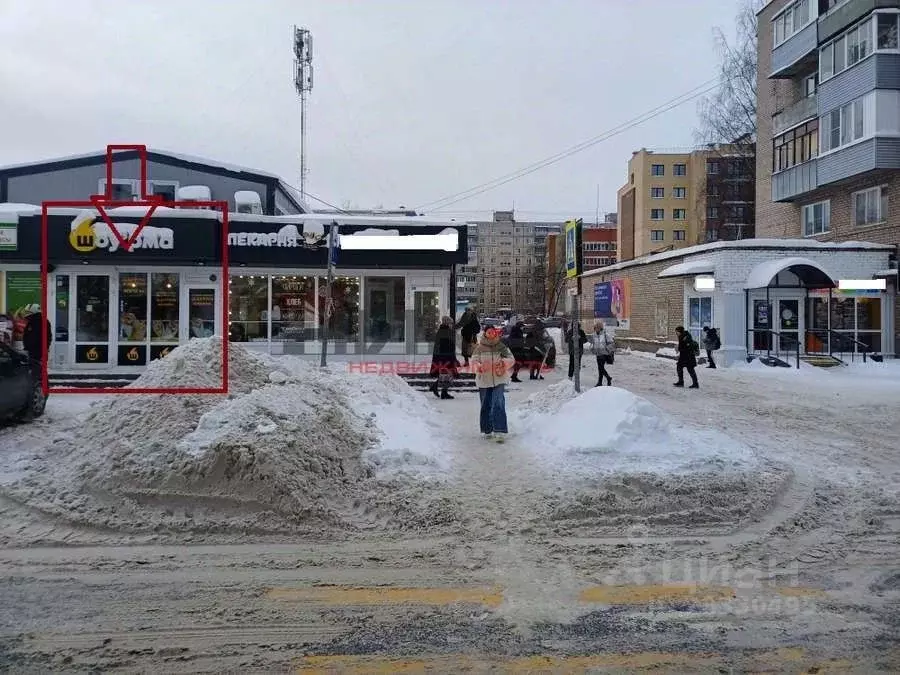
(303, 83)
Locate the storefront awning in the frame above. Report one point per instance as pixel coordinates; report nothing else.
(689, 268)
(810, 273)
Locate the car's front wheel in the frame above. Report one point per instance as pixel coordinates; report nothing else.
(37, 403)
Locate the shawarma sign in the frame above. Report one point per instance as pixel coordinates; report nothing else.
(88, 235)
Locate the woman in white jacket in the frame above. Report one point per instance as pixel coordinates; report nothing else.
(603, 347)
(492, 362)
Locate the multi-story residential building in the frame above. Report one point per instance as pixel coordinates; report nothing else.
(829, 120)
(511, 257)
(598, 249)
(677, 199)
(467, 275)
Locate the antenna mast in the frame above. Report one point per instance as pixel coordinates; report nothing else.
(303, 82)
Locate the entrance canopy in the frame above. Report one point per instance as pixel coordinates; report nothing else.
(810, 273)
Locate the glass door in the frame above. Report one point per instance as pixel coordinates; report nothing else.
(762, 324)
(203, 316)
(789, 324)
(426, 318)
(91, 320)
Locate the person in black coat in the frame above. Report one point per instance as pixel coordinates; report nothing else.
(516, 344)
(444, 364)
(570, 345)
(31, 337)
(687, 357)
(469, 327)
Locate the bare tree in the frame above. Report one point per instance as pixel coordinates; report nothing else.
(728, 115)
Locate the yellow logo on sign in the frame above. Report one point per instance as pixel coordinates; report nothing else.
(92, 354)
(133, 354)
(83, 238)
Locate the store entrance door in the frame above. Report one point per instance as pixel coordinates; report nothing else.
(202, 315)
(89, 314)
(426, 317)
(789, 322)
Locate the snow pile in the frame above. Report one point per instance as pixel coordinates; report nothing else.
(621, 460)
(286, 449)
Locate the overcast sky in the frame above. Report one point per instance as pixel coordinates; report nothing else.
(413, 100)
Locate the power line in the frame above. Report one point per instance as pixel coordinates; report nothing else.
(690, 95)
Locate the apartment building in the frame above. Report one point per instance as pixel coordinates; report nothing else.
(510, 272)
(829, 120)
(467, 275)
(677, 199)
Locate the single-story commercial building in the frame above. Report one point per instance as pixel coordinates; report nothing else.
(779, 297)
(116, 310)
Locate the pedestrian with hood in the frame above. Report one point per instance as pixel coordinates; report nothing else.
(469, 328)
(570, 345)
(534, 351)
(687, 357)
(516, 344)
(711, 343)
(604, 348)
(493, 361)
(444, 364)
(31, 336)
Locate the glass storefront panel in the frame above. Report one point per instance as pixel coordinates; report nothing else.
(61, 324)
(343, 325)
(163, 307)
(133, 307)
(842, 314)
(248, 308)
(293, 309)
(201, 312)
(385, 309)
(426, 319)
(868, 313)
(92, 309)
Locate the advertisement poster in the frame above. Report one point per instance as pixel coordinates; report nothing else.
(603, 300)
(621, 301)
(22, 290)
(9, 235)
(572, 249)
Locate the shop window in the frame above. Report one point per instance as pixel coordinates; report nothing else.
(248, 311)
(344, 308)
(868, 322)
(23, 289)
(61, 325)
(385, 309)
(842, 310)
(133, 307)
(163, 307)
(699, 315)
(293, 308)
(201, 312)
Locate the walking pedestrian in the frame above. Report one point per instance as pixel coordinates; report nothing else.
(516, 344)
(469, 327)
(570, 345)
(604, 348)
(687, 357)
(31, 335)
(492, 361)
(711, 343)
(444, 364)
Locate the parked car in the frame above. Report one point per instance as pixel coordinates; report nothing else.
(553, 321)
(491, 322)
(21, 393)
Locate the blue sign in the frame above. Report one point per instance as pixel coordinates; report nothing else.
(603, 300)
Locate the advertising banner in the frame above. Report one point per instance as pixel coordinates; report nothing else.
(573, 248)
(612, 300)
(603, 300)
(9, 234)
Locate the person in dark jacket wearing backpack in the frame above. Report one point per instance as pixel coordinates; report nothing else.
(31, 338)
(687, 357)
(711, 343)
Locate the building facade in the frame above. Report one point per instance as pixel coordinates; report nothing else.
(674, 200)
(467, 275)
(511, 263)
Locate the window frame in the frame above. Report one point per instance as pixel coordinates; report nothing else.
(858, 114)
(880, 201)
(710, 164)
(660, 167)
(792, 12)
(682, 195)
(130, 182)
(654, 190)
(696, 329)
(826, 218)
(654, 233)
(168, 183)
(679, 212)
(676, 233)
(679, 169)
(662, 214)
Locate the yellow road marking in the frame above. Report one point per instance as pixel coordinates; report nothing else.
(375, 595)
(800, 592)
(372, 665)
(645, 594)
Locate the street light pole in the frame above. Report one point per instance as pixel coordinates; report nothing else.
(332, 233)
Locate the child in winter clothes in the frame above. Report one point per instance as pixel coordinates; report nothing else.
(492, 361)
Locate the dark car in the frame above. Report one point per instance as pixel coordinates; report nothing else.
(21, 394)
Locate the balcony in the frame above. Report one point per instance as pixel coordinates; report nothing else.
(798, 54)
(845, 15)
(796, 113)
(791, 183)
